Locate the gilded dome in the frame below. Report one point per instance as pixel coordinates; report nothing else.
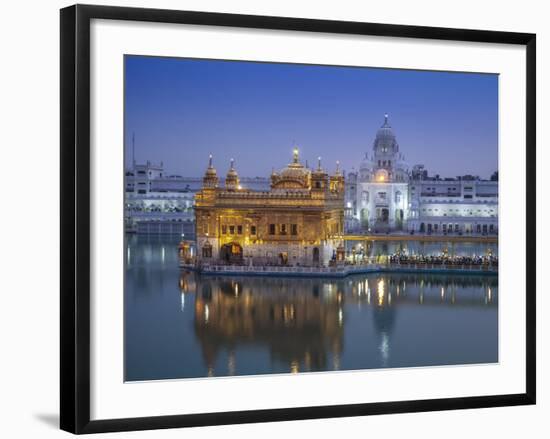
(294, 172)
(294, 176)
(210, 172)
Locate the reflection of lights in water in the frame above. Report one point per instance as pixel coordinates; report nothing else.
(206, 313)
(385, 348)
(288, 313)
(381, 288)
(421, 298)
(128, 253)
(236, 288)
(368, 296)
(182, 301)
(389, 298)
(489, 294)
(307, 360)
(442, 293)
(336, 361)
(397, 290)
(231, 363)
(294, 366)
(210, 372)
(162, 254)
(340, 316)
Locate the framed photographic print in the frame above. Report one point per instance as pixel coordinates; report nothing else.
(268, 218)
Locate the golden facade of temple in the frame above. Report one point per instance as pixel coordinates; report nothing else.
(299, 221)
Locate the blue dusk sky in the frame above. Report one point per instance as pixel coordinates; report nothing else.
(182, 109)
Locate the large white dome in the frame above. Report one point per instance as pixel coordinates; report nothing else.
(385, 140)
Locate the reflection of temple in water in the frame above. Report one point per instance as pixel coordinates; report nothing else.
(301, 321)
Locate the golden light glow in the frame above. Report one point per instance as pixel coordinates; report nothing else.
(381, 178)
(249, 218)
(380, 292)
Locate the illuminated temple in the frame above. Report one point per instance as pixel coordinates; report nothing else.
(298, 221)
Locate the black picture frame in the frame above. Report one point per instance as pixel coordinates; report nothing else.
(75, 217)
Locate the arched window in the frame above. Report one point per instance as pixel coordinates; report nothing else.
(398, 197)
(365, 196)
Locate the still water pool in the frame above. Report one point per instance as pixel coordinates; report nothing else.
(179, 324)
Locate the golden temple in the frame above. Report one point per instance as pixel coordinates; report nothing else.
(298, 221)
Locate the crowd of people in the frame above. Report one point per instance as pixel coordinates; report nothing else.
(444, 259)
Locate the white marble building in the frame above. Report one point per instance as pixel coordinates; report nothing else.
(384, 196)
(161, 203)
(378, 193)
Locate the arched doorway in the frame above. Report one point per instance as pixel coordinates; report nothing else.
(207, 250)
(385, 214)
(315, 255)
(365, 218)
(231, 253)
(399, 219)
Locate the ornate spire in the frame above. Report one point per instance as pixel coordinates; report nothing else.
(386, 124)
(295, 156)
(210, 179)
(319, 163)
(232, 178)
